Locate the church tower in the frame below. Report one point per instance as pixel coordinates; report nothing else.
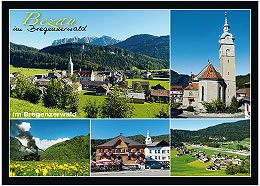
(227, 62)
(70, 67)
(148, 139)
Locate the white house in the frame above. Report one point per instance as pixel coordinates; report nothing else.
(158, 151)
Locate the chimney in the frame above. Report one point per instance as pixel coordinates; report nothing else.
(121, 134)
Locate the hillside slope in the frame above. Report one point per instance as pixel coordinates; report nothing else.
(154, 46)
(233, 131)
(77, 148)
(91, 57)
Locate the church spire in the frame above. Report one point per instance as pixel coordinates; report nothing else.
(148, 139)
(226, 26)
(226, 18)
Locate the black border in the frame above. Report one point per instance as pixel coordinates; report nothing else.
(253, 5)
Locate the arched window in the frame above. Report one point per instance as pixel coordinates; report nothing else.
(190, 93)
(202, 93)
(219, 92)
(227, 73)
(227, 52)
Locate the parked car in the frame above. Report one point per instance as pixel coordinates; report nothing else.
(156, 166)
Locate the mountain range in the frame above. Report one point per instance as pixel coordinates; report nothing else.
(150, 45)
(102, 41)
(232, 131)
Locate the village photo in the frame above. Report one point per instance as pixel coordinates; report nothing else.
(130, 148)
(116, 67)
(43, 147)
(210, 64)
(210, 147)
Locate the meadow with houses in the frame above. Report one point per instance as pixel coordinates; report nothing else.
(188, 161)
(147, 93)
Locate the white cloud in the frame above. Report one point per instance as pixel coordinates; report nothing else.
(24, 126)
(44, 144)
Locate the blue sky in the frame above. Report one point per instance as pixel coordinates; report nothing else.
(52, 129)
(196, 124)
(110, 128)
(195, 34)
(119, 24)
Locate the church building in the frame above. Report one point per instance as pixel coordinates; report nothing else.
(209, 84)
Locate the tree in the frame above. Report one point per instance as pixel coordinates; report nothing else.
(117, 105)
(92, 109)
(61, 95)
(138, 87)
(163, 112)
(24, 89)
(216, 106)
(234, 105)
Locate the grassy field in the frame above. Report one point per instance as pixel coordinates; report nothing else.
(165, 84)
(146, 110)
(30, 71)
(21, 106)
(49, 168)
(234, 145)
(188, 166)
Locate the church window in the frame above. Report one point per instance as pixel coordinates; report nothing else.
(228, 60)
(227, 52)
(202, 93)
(227, 73)
(190, 93)
(219, 92)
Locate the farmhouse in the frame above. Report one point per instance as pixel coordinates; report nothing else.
(144, 84)
(176, 94)
(160, 95)
(102, 90)
(123, 84)
(86, 75)
(93, 85)
(122, 149)
(136, 97)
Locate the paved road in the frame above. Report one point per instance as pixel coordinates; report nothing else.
(146, 172)
(223, 150)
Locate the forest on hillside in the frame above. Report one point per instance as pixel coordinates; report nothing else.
(91, 57)
(235, 131)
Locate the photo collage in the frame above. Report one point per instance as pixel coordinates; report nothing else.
(130, 93)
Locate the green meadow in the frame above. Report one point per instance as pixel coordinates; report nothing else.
(188, 166)
(164, 82)
(147, 110)
(234, 145)
(30, 71)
